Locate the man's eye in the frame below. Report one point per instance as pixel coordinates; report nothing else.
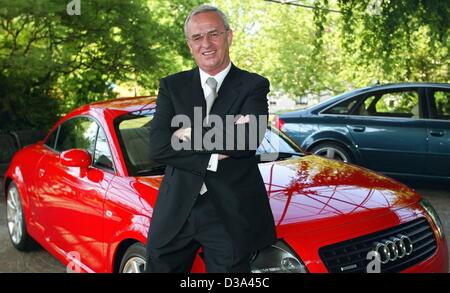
(196, 37)
(214, 34)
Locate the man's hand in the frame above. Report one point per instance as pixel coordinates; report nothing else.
(183, 134)
(221, 157)
(242, 120)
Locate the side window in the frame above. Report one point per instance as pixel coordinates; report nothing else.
(342, 108)
(50, 142)
(136, 138)
(102, 156)
(403, 104)
(77, 133)
(442, 104)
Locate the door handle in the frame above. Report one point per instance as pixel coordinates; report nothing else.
(437, 133)
(357, 128)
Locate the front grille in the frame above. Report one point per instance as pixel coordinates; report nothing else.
(350, 256)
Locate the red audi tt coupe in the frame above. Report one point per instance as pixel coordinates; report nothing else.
(86, 194)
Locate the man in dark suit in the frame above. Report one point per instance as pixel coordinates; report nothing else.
(213, 199)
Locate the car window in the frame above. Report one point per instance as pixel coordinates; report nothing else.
(442, 104)
(343, 108)
(78, 133)
(102, 156)
(133, 132)
(404, 104)
(50, 142)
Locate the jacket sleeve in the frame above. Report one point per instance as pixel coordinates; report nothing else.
(255, 104)
(160, 138)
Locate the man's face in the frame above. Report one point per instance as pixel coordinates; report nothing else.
(209, 42)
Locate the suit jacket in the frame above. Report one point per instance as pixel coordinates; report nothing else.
(237, 188)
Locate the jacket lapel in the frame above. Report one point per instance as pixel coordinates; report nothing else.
(228, 93)
(197, 95)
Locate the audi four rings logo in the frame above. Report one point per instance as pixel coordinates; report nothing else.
(393, 248)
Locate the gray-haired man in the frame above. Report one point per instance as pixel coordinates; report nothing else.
(214, 200)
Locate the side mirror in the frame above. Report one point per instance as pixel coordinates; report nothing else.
(76, 158)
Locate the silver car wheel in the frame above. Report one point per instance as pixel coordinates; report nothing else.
(14, 215)
(134, 265)
(331, 153)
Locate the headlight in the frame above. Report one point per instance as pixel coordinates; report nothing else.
(277, 258)
(434, 216)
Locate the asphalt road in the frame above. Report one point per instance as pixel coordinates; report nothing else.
(39, 260)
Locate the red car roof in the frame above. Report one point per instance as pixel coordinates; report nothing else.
(129, 104)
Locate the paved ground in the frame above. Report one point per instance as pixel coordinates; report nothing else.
(13, 261)
(40, 261)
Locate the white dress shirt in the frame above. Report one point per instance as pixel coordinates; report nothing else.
(219, 77)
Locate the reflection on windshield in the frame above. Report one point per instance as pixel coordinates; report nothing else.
(133, 133)
(275, 142)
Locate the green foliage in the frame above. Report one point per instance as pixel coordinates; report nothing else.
(51, 62)
(398, 40)
(283, 43)
(317, 50)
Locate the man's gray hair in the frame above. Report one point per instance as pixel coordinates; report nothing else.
(206, 8)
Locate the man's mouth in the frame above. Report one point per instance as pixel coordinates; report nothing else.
(209, 53)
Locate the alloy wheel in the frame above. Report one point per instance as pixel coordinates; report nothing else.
(14, 215)
(332, 153)
(134, 265)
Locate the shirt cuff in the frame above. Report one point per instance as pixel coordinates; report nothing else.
(213, 162)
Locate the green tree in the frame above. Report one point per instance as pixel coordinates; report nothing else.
(332, 46)
(290, 45)
(51, 62)
(398, 40)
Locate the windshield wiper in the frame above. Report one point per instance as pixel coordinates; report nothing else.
(158, 170)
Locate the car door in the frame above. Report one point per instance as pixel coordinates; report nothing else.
(388, 131)
(73, 200)
(438, 132)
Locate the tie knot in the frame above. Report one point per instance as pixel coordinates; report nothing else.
(212, 82)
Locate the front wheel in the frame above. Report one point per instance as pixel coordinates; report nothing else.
(16, 221)
(332, 151)
(133, 260)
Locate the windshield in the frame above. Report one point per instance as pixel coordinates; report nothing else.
(277, 142)
(134, 139)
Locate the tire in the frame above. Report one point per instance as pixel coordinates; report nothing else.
(133, 261)
(332, 151)
(15, 220)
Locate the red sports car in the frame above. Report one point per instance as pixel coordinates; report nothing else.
(86, 193)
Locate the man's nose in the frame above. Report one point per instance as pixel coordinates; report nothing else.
(206, 42)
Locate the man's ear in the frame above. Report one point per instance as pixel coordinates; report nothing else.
(230, 37)
(189, 46)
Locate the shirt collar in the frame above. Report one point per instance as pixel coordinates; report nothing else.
(219, 77)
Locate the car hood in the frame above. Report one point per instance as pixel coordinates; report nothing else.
(315, 189)
(316, 192)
